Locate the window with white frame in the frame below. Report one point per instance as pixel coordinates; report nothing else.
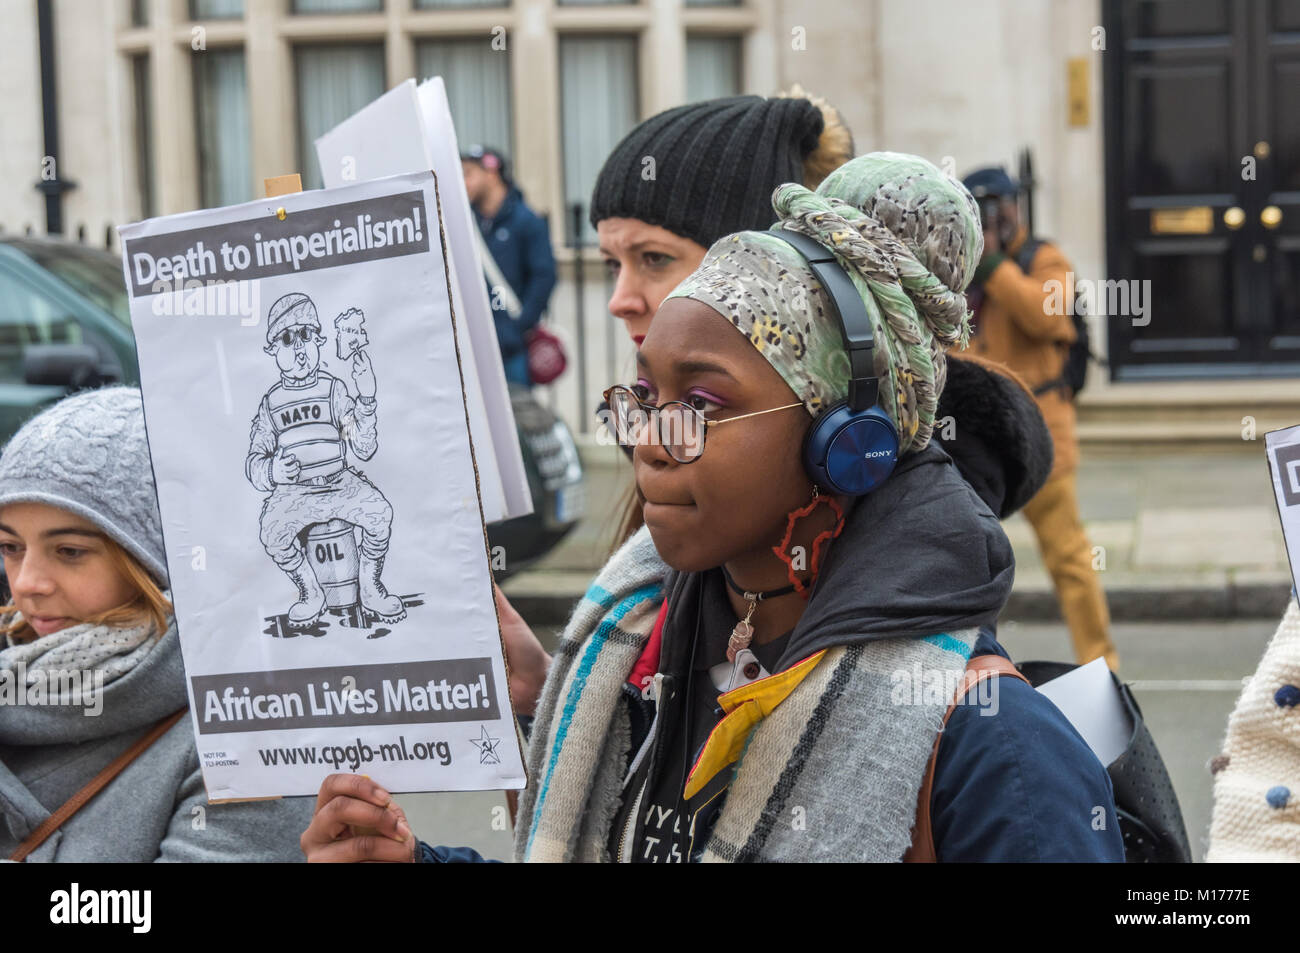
(478, 87)
(221, 118)
(335, 70)
(598, 106)
(333, 83)
(712, 67)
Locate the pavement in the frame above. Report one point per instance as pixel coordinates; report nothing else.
(1186, 677)
(1176, 535)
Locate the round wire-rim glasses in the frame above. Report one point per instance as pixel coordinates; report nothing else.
(681, 429)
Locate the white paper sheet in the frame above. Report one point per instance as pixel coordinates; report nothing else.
(277, 469)
(1088, 697)
(466, 248)
(409, 130)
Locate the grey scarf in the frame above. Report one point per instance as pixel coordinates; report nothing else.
(829, 770)
(72, 666)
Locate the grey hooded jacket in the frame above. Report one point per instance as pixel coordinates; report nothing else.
(157, 808)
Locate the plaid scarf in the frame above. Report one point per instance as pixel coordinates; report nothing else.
(833, 773)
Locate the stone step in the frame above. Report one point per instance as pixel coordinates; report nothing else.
(1271, 403)
(1183, 435)
(1191, 416)
(547, 598)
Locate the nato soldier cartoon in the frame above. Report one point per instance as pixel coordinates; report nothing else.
(304, 427)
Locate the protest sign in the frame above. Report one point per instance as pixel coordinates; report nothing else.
(307, 425)
(409, 129)
(1283, 449)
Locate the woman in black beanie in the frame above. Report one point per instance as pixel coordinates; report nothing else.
(688, 176)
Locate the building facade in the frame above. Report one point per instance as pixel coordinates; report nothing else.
(170, 105)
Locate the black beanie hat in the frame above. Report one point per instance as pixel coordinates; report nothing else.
(716, 164)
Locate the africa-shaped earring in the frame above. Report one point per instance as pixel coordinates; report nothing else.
(822, 538)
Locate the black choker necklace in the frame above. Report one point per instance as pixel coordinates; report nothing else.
(754, 596)
(743, 633)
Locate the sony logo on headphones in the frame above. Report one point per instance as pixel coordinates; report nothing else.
(875, 453)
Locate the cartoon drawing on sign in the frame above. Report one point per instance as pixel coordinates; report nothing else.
(305, 425)
(351, 327)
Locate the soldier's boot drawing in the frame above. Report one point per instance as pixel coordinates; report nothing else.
(311, 597)
(375, 599)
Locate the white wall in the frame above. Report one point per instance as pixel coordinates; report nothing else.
(97, 146)
(973, 81)
(21, 141)
(970, 82)
(1001, 87)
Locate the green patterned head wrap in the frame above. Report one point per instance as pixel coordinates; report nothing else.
(908, 236)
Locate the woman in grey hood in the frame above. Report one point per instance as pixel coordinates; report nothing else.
(90, 663)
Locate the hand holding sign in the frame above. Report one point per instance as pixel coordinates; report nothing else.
(529, 661)
(357, 821)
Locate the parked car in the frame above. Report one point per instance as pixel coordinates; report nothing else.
(555, 480)
(65, 325)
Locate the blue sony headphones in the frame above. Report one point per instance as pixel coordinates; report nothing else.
(852, 446)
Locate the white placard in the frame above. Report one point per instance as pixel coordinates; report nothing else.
(409, 130)
(465, 244)
(1283, 449)
(1087, 696)
(325, 541)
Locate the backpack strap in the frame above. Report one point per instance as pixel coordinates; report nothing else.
(1025, 256)
(93, 787)
(977, 670)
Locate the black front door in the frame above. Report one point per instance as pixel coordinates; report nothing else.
(1203, 186)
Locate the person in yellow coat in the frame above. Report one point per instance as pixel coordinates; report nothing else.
(1021, 321)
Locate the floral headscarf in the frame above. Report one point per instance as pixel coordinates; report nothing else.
(908, 236)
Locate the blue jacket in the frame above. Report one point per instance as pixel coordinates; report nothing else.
(521, 244)
(1018, 785)
(1021, 784)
